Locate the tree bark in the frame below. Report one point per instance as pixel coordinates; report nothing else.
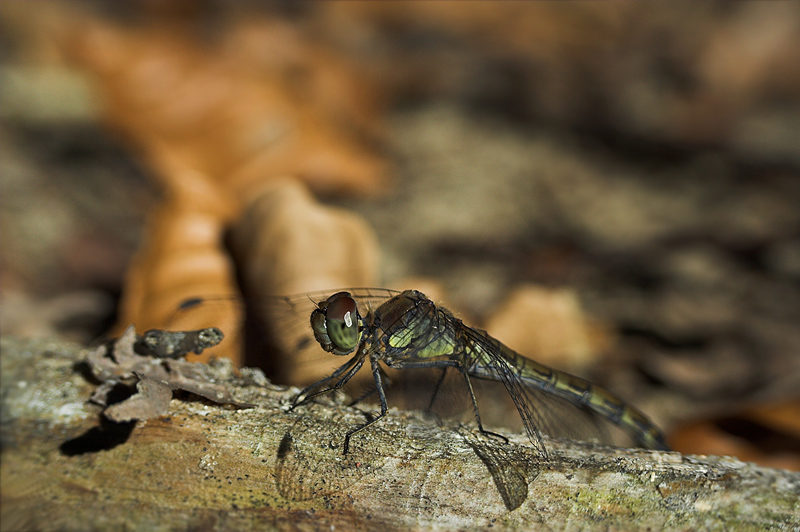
(207, 467)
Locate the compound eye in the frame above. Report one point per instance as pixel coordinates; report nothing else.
(342, 321)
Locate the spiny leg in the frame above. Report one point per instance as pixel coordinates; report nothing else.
(475, 408)
(372, 391)
(376, 374)
(438, 364)
(444, 364)
(351, 367)
(436, 389)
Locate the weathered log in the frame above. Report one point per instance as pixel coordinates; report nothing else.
(209, 467)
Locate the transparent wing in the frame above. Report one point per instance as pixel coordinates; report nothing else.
(309, 467)
(511, 469)
(540, 412)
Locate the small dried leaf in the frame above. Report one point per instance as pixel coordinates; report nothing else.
(152, 400)
(123, 347)
(122, 362)
(101, 366)
(101, 393)
(155, 380)
(187, 377)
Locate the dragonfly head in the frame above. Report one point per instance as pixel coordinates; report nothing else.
(335, 323)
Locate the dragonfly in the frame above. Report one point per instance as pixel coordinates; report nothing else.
(406, 330)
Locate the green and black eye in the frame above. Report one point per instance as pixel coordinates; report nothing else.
(335, 324)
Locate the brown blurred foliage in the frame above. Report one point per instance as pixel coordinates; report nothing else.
(231, 113)
(241, 113)
(215, 126)
(288, 243)
(767, 434)
(705, 74)
(549, 326)
(183, 257)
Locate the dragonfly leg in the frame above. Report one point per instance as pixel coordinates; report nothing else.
(376, 374)
(343, 374)
(439, 364)
(444, 364)
(436, 389)
(371, 391)
(476, 411)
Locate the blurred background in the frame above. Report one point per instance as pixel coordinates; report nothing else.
(612, 189)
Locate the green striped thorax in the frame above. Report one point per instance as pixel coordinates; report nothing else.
(337, 324)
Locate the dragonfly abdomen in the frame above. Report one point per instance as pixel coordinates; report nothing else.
(590, 397)
(611, 407)
(602, 402)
